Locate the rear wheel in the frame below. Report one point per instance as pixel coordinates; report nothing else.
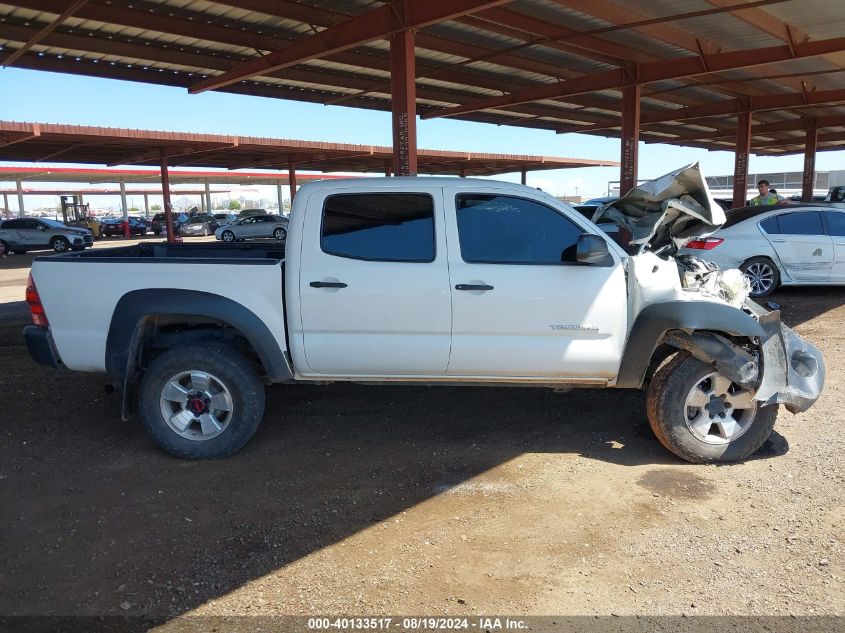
(201, 402)
(703, 417)
(762, 274)
(59, 244)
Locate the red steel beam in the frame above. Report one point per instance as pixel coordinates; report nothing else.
(44, 32)
(165, 194)
(403, 102)
(786, 142)
(370, 26)
(809, 177)
(741, 151)
(630, 137)
(678, 68)
(292, 180)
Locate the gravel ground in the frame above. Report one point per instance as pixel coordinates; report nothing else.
(441, 500)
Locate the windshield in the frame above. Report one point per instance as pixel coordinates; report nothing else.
(54, 223)
(198, 220)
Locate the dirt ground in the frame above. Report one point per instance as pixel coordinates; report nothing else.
(408, 500)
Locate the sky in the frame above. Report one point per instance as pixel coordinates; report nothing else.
(43, 97)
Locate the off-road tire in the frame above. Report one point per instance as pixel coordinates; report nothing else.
(775, 272)
(666, 402)
(231, 368)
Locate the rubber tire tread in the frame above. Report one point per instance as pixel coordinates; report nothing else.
(665, 403)
(764, 260)
(230, 367)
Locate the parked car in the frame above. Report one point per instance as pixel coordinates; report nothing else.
(589, 210)
(33, 234)
(422, 280)
(158, 223)
(226, 218)
(778, 245)
(199, 225)
(114, 226)
(254, 227)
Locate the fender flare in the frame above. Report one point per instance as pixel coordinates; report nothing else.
(133, 309)
(656, 320)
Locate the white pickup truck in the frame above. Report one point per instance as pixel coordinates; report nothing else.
(421, 281)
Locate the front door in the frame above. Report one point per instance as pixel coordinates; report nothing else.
(521, 306)
(802, 246)
(374, 284)
(835, 221)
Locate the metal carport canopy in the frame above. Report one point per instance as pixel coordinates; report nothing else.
(688, 71)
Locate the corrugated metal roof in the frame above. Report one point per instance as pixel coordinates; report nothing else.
(498, 50)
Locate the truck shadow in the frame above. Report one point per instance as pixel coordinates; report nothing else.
(801, 304)
(97, 519)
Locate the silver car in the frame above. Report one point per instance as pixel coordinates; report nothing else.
(254, 227)
(32, 234)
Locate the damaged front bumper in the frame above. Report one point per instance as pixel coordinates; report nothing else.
(793, 369)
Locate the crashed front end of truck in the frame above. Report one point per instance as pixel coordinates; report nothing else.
(756, 351)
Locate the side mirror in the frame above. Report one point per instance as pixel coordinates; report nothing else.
(592, 250)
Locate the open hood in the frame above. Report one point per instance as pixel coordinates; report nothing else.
(665, 213)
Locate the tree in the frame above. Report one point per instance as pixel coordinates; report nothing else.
(155, 207)
(234, 205)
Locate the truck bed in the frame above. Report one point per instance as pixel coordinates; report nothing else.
(273, 252)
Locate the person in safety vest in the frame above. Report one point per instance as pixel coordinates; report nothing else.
(766, 196)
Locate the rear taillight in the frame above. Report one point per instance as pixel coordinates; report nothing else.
(39, 317)
(707, 244)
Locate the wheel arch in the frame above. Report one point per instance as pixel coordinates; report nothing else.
(647, 341)
(137, 309)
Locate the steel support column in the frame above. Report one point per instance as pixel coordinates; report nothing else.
(165, 196)
(147, 206)
(743, 147)
(123, 205)
(403, 91)
(21, 210)
(292, 181)
(630, 137)
(809, 178)
(207, 197)
(5, 204)
(279, 196)
(524, 177)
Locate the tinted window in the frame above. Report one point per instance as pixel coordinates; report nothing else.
(802, 223)
(395, 227)
(835, 223)
(158, 217)
(11, 224)
(29, 225)
(504, 230)
(770, 225)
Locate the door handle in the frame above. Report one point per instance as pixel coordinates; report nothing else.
(473, 287)
(779, 241)
(328, 284)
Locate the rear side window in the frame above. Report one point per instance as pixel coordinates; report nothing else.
(497, 229)
(801, 223)
(11, 224)
(770, 225)
(387, 227)
(835, 223)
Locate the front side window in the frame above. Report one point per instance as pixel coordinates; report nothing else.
(801, 223)
(835, 223)
(390, 227)
(496, 229)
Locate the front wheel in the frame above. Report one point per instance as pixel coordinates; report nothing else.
(4, 248)
(201, 402)
(280, 234)
(228, 236)
(702, 417)
(60, 244)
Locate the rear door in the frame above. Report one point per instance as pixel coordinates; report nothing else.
(374, 283)
(520, 309)
(835, 224)
(33, 233)
(804, 249)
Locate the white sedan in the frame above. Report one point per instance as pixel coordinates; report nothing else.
(778, 245)
(254, 226)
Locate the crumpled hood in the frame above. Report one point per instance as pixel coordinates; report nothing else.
(665, 213)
